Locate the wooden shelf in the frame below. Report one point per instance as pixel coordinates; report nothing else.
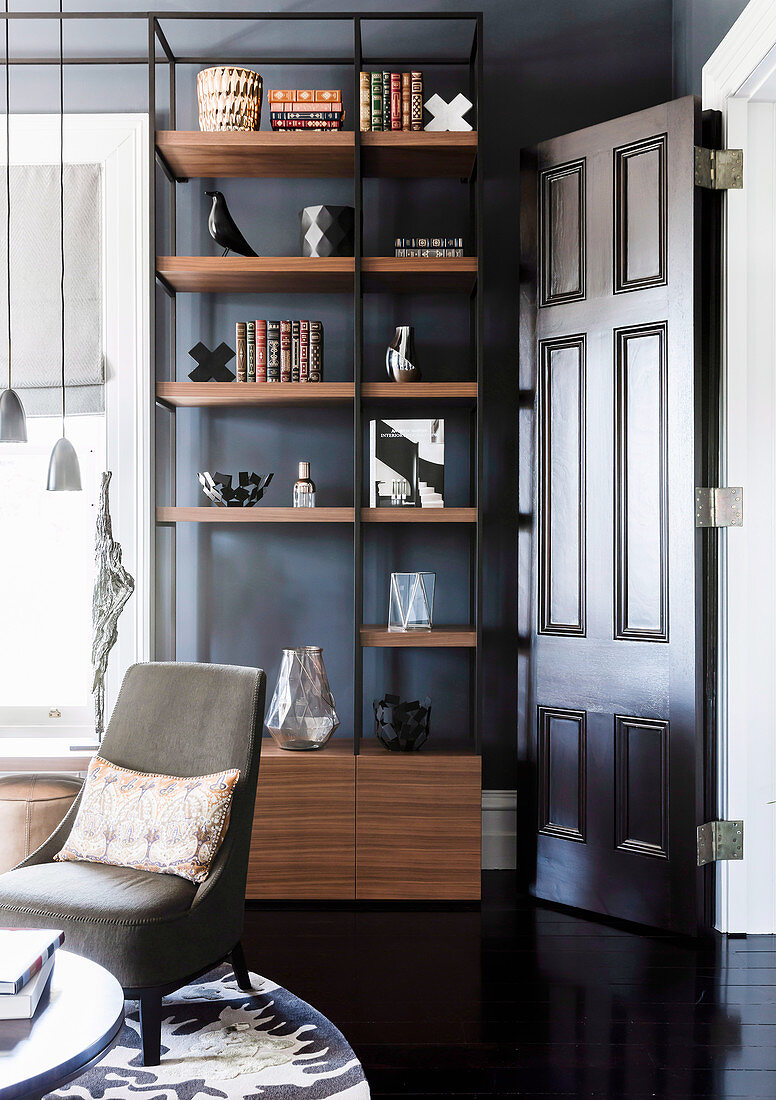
(298, 274)
(256, 154)
(247, 274)
(191, 154)
(446, 637)
(183, 395)
(461, 392)
(193, 395)
(419, 155)
(258, 514)
(419, 515)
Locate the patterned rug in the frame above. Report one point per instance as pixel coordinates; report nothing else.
(219, 1042)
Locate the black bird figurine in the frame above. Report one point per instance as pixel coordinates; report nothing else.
(222, 227)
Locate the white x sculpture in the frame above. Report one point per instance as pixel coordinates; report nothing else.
(448, 116)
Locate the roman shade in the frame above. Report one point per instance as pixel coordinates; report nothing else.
(35, 293)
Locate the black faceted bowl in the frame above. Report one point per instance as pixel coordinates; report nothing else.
(248, 491)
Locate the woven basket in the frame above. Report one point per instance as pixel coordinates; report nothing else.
(229, 99)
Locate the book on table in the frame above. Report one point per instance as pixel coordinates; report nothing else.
(23, 951)
(22, 1005)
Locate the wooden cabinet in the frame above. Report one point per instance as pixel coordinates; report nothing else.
(304, 825)
(418, 825)
(379, 826)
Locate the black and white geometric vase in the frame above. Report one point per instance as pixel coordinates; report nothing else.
(326, 230)
(219, 1043)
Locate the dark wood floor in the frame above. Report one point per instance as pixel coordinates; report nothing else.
(516, 1000)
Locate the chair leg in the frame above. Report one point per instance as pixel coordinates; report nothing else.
(151, 1026)
(240, 969)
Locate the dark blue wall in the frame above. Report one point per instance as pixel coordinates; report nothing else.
(699, 27)
(550, 67)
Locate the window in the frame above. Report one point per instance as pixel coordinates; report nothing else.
(47, 566)
(47, 539)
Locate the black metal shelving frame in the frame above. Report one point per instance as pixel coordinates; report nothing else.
(159, 53)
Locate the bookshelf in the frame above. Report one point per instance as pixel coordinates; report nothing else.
(294, 855)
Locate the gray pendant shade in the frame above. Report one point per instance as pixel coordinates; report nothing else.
(13, 423)
(64, 472)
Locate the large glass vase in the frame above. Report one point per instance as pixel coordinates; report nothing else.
(301, 714)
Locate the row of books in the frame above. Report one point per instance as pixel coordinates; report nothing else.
(391, 101)
(26, 962)
(279, 351)
(306, 109)
(435, 247)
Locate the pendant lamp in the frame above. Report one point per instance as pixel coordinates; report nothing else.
(64, 472)
(13, 423)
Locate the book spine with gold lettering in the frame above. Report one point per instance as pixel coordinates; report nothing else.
(241, 340)
(316, 352)
(406, 101)
(416, 107)
(396, 101)
(285, 351)
(261, 351)
(273, 351)
(377, 100)
(365, 109)
(304, 351)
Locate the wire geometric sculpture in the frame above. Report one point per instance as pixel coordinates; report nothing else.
(248, 491)
(411, 603)
(113, 586)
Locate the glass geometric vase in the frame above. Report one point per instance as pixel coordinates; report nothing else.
(301, 714)
(411, 604)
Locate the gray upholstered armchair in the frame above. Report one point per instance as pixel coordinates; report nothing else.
(154, 932)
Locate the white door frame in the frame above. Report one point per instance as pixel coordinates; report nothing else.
(734, 81)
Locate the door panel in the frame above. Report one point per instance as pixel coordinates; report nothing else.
(611, 678)
(562, 486)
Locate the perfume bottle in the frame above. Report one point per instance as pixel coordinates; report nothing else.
(304, 488)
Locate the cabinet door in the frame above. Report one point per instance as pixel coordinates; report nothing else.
(303, 840)
(419, 821)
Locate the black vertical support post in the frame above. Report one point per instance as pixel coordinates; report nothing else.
(358, 348)
(480, 326)
(473, 245)
(152, 320)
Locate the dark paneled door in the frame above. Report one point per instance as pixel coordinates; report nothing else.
(611, 684)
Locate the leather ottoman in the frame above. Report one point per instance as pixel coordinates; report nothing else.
(31, 807)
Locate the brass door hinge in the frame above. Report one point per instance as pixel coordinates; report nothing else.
(719, 169)
(715, 507)
(720, 840)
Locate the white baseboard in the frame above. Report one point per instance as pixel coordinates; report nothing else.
(499, 839)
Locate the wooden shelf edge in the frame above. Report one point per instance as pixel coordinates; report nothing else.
(418, 391)
(257, 514)
(443, 637)
(225, 394)
(418, 515)
(329, 275)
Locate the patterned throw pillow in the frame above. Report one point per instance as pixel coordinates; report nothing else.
(156, 823)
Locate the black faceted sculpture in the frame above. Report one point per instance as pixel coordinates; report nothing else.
(402, 727)
(248, 491)
(327, 230)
